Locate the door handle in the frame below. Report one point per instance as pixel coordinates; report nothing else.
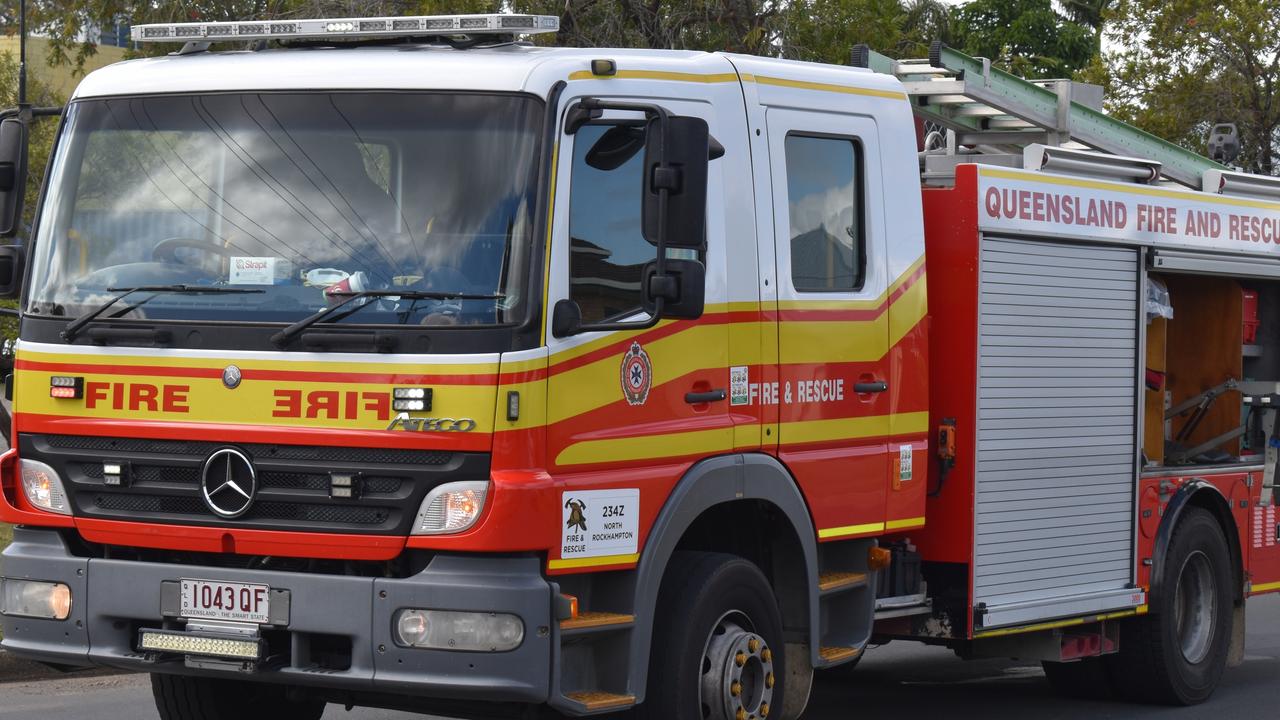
(698, 398)
(877, 386)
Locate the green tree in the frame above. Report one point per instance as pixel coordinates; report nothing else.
(1200, 62)
(1027, 37)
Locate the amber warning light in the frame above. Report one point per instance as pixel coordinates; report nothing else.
(65, 386)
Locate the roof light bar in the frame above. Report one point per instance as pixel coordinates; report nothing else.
(348, 27)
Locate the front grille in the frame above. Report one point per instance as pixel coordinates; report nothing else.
(376, 456)
(344, 515)
(162, 482)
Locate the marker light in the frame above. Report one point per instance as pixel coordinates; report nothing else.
(450, 508)
(460, 631)
(344, 485)
(421, 25)
(43, 487)
(409, 399)
(66, 386)
(35, 599)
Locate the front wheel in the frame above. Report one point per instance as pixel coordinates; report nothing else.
(198, 698)
(718, 650)
(1176, 654)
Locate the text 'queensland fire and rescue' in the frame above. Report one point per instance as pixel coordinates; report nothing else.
(1119, 214)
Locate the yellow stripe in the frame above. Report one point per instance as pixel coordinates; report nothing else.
(551, 221)
(572, 563)
(428, 366)
(1140, 610)
(733, 77)
(807, 431)
(828, 87)
(850, 530)
(1265, 587)
(1127, 189)
(657, 75)
(647, 447)
(914, 522)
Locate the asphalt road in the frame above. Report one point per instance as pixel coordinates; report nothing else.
(895, 681)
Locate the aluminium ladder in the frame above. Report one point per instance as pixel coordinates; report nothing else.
(988, 107)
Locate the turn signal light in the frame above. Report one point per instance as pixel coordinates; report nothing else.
(878, 558)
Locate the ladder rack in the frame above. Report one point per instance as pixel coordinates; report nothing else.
(986, 106)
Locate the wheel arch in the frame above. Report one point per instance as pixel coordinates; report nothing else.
(724, 484)
(1202, 494)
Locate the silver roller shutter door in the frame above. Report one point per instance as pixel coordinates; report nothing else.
(1058, 340)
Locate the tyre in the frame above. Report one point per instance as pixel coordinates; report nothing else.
(196, 698)
(1176, 653)
(718, 650)
(1085, 679)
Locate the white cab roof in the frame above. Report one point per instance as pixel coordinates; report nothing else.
(431, 67)
(409, 67)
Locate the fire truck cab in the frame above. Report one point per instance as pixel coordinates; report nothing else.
(405, 364)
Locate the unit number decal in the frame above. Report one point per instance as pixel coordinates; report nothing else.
(596, 523)
(904, 462)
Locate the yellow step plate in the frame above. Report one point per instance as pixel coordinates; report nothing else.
(594, 700)
(835, 580)
(596, 619)
(831, 655)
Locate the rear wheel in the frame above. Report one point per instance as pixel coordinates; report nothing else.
(1176, 653)
(197, 698)
(718, 652)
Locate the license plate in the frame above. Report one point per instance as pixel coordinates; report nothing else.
(212, 600)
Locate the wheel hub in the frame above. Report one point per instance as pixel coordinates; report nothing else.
(737, 673)
(1195, 608)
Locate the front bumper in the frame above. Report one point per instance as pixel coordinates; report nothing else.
(112, 599)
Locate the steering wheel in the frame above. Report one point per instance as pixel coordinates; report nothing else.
(165, 251)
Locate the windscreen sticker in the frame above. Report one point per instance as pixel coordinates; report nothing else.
(904, 462)
(253, 271)
(597, 523)
(739, 386)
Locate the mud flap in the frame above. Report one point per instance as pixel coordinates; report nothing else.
(799, 681)
(1235, 653)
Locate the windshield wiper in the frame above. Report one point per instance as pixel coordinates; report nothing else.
(283, 337)
(73, 329)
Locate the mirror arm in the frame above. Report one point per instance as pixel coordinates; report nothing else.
(27, 112)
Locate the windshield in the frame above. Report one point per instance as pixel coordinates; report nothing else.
(299, 196)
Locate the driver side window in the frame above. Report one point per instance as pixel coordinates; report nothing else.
(607, 250)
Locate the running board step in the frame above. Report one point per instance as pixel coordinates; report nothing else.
(833, 582)
(594, 701)
(832, 656)
(596, 622)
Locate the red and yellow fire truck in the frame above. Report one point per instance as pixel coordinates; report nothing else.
(398, 362)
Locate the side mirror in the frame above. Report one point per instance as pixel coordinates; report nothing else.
(682, 289)
(11, 267)
(566, 318)
(13, 174)
(676, 154)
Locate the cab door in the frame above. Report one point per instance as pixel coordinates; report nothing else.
(628, 410)
(833, 329)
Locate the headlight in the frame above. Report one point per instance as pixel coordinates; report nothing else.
(32, 598)
(461, 631)
(43, 487)
(450, 508)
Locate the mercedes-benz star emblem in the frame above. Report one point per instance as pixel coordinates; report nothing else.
(231, 377)
(228, 483)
